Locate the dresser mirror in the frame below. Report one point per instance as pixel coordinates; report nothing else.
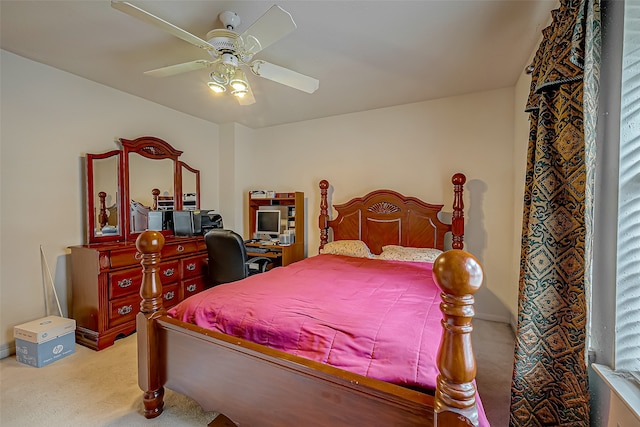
(104, 199)
(150, 181)
(145, 175)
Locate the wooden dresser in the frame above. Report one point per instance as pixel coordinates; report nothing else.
(123, 187)
(106, 280)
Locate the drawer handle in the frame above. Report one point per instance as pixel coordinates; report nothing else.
(169, 295)
(169, 272)
(138, 256)
(191, 266)
(125, 310)
(180, 248)
(191, 288)
(125, 283)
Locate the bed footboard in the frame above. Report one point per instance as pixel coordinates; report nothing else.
(257, 386)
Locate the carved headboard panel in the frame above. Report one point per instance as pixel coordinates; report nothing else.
(385, 217)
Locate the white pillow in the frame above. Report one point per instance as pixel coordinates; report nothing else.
(403, 253)
(354, 248)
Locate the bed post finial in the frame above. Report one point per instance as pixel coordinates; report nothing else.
(459, 275)
(149, 245)
(457, 221)
(323, 219)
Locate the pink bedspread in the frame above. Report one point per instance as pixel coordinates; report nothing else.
(372, 317)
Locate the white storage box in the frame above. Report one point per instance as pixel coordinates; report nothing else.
(43, 341)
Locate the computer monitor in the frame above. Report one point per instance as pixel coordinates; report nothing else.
(268, 222)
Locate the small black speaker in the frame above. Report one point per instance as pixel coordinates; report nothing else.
(183, 223)
(160, 220)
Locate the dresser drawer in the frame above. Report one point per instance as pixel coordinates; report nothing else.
(193, 266)
(125, 282)
(128, 281)
(124, 309)
(130, 255)
(125, 257)
(179, 249)
(170, 295)
(192, 286)
(169, 272)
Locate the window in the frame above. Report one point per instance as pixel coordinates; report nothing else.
(615, 296)
(627, 344)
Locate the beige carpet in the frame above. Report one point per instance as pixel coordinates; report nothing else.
(92, 388)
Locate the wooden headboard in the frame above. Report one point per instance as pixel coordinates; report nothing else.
(385, 217)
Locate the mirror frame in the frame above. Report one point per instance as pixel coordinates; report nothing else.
(196, 172)
(149, 147)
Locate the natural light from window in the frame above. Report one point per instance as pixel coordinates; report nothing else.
(627, 355)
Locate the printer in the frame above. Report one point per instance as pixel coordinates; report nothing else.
(195, 222)
(209, 219)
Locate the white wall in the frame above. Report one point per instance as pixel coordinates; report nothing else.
(413, 149)
(50, 120)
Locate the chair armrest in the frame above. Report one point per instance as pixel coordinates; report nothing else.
(261, 261)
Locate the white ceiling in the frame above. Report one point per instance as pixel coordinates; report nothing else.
(366, 54)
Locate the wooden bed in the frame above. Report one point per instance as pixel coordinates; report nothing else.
(254, 385)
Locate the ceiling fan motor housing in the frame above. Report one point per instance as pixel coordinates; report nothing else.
(223, 40)
(230, 59)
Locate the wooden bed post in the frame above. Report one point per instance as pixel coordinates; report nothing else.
(149, 244)
(459, 275)
(102, 216)
(457, 221)
(323, 219)
(154, 195)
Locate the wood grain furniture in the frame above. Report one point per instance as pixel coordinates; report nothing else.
(106, 280)
(105, 271)
(257, 386)
(294, 207)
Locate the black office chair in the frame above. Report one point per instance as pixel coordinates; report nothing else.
(228, 260)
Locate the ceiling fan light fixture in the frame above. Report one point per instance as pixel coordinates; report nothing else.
(239, 81)
(217, 87)
(220, 75)
(240, 93)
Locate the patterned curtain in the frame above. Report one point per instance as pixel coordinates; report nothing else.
(550, 382)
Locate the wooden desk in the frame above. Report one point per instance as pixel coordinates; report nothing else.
(280, 254)
(294, 203)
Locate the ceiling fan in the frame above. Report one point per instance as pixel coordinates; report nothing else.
(230, 51)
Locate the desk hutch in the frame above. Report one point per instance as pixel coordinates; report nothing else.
(281, 254)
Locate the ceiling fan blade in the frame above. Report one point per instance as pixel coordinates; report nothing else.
(145, 16)
(268, 29)
(284, 76)
(185, 67)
